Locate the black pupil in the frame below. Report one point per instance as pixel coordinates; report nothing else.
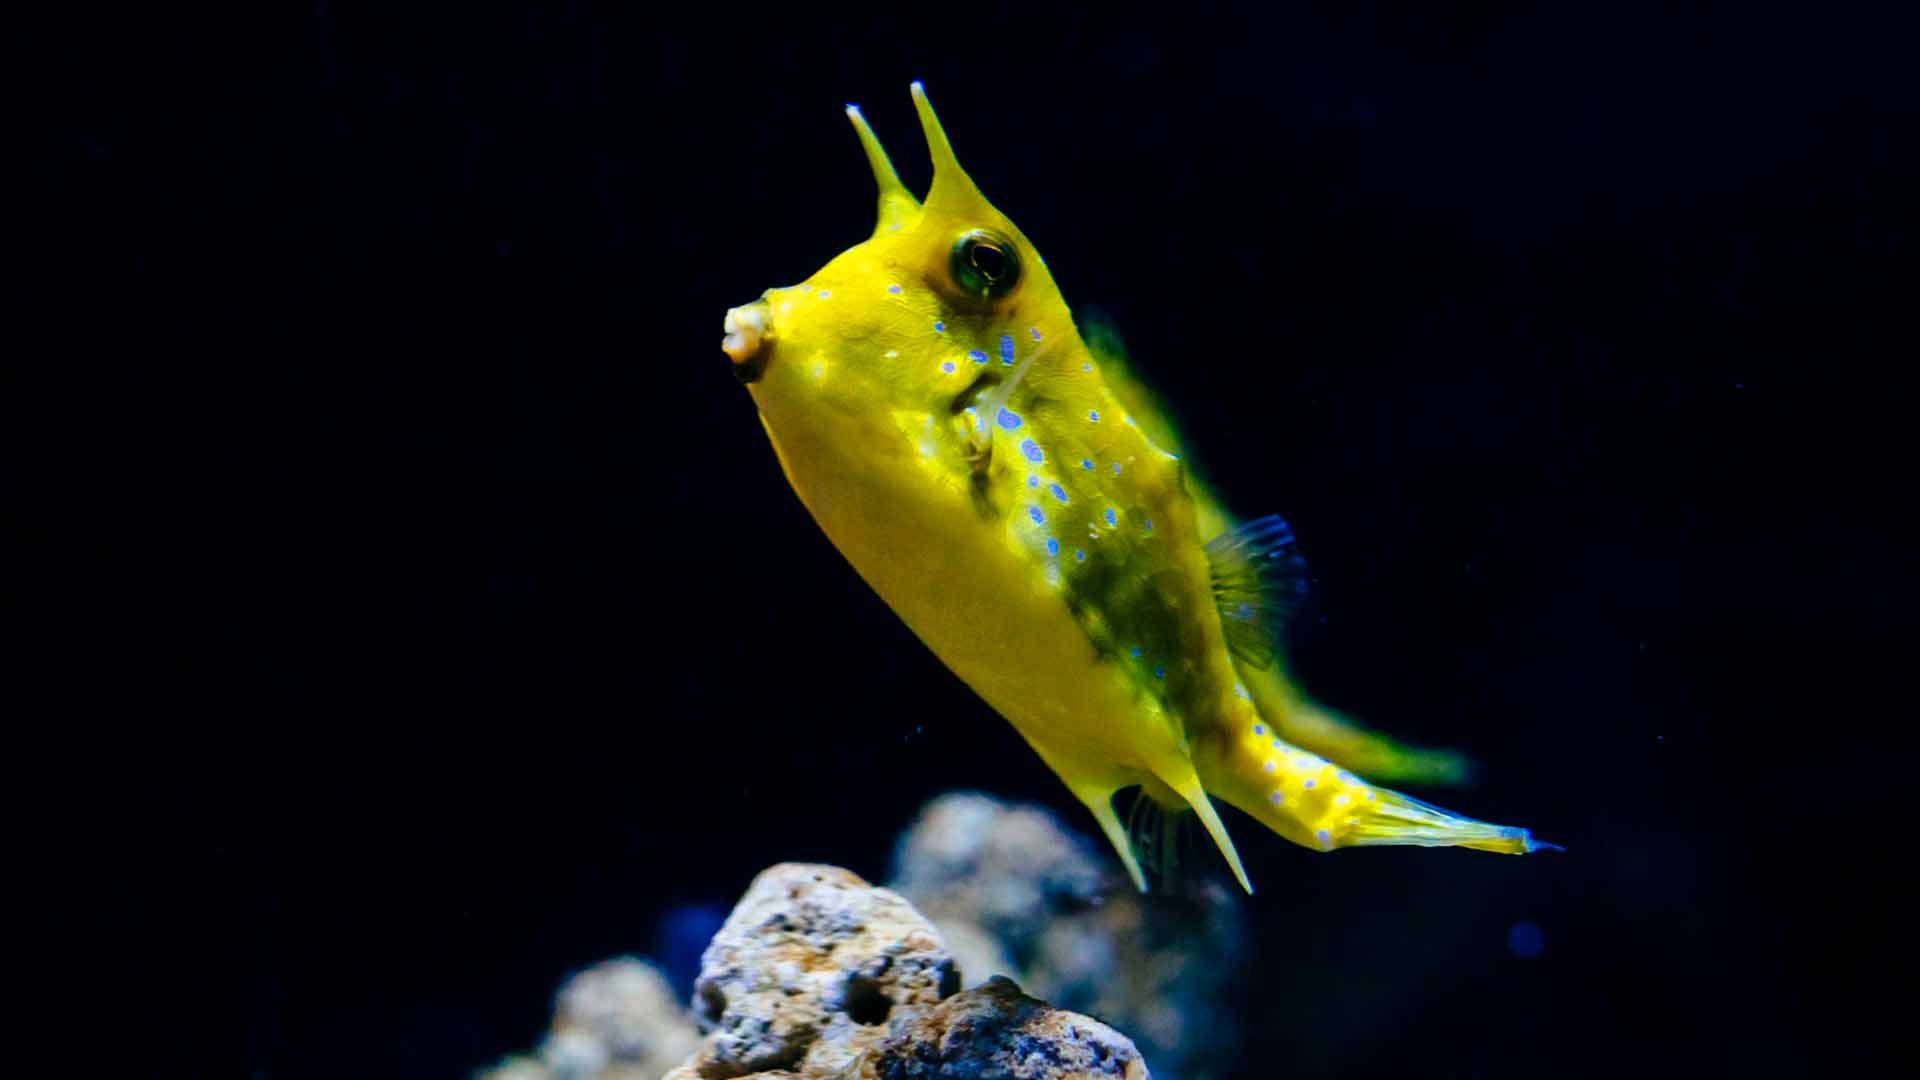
(989, 260)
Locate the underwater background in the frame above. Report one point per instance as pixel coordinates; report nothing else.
(440, 623)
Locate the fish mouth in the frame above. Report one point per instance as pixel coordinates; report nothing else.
(749, 340)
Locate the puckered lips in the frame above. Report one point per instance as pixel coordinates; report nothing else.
(749, 339)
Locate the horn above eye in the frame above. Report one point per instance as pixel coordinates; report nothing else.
(985, 264)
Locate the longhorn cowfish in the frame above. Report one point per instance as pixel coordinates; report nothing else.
(1011, 491)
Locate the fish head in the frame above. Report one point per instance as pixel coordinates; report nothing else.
(925, 313)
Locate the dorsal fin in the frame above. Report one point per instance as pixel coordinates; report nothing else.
(1101, 334)
(1109, 349)
(1259, 580)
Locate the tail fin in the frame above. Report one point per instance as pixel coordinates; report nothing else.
(1393, 818)
(1316, 804)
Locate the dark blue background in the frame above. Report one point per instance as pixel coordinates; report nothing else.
(442, 618)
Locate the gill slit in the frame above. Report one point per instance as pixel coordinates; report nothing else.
(997, 399)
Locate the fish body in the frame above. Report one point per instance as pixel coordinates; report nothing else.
(934, 406)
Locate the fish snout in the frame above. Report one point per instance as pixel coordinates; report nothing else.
(749, 340)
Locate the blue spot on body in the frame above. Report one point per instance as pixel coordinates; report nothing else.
(1093, 415)
(1079, 556)
(947, 367)
(894, 289)
(826, 294)
(1059, 492)
(1038, 517)
(1033, 481)
(939, 327)
(1035, 331)
(1259, 729)
(1086, 367)
(1032, 451)
(1008, 418)
(977, 356)
(1136, 652)
(1086, 463)
(1006, 349)
(1053, 546)
(1159, 671)
(1116, 468)
(1111, 519)
(1311, 784)
(1526, 940)
(1149, 523)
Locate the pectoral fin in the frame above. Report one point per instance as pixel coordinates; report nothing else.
(1259, 581)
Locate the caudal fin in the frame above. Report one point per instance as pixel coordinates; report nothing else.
(1319, 805)
(1393, 818)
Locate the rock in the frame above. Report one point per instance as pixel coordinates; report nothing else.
(995, 1032)
(689, 1072)
(1009, 870)
(1072, 930)
(1164, 967)
(518, 1068)
(617, 1020)
(978, 954)
(807, 971)
(623, 1014)
(818, 975)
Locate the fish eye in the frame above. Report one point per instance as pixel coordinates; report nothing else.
(984, 264)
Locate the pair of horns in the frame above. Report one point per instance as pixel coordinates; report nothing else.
(951, 184)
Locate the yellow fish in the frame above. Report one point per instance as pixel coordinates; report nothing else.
(1011, 493)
